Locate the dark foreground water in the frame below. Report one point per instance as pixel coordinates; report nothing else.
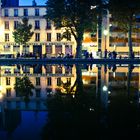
(71, 102)
(23, 125)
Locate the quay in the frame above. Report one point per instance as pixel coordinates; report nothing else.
(11, 61)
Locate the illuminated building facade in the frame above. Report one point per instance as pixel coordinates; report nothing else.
(46, 38)
(113, 39)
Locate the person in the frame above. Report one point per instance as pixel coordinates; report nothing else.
(91, 56)
(120, 57)
(114, 54)
(109, 54)
(18, 55)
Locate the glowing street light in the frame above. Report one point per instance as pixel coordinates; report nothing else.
(105, 88)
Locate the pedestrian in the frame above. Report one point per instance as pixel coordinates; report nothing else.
(91, 56)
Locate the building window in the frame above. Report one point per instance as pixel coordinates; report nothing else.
(6, 48)
(37, 24)
(37, 36)
(16, 48)
(7, 80)
(6, 24)
(49, 81)
(6, 37)
(48, 36)
(36, 12)
(37, 81)
(15, 24)
(59, 81)
(15, 12)
(8, 92)
(48, 25)
(25, 12)
(58, 36)
(6, 12)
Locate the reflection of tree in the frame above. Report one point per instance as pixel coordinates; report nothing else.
(23, 87)
(130, 69)
(71, 117)
(77, 87)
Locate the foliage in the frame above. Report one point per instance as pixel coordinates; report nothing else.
(23, 32)
(124, 13)
(127, 8)
(24, 87)
(74, 15)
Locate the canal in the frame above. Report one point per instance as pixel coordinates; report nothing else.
(69, 101)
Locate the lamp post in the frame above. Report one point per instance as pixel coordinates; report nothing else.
(103, 24)
(105, 32)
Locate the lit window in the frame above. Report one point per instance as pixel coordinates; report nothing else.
(6, 37)
(37, 36)
(15, 24)
(6, 24)
(37, 24)
(48, 36)
(58, 36)
(7, 80)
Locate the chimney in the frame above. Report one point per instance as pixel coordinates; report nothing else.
(34, 3)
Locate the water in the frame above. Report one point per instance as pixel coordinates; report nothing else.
(87, 101)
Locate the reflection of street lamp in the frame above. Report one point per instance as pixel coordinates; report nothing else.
(105, 88)
(105, 34)
(0, 80)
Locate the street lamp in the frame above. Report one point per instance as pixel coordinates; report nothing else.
(103, 19)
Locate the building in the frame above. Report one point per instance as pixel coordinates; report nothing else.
(46, 38)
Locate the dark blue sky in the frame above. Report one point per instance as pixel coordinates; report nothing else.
(29, 2)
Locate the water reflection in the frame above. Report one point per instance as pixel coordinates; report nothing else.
(81, 100)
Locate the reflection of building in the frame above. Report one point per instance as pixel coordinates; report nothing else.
(46, 38)
(46, 79)
(115, 78)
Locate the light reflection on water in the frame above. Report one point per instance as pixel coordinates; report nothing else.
(93, 97)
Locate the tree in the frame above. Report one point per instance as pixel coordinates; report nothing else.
(124, 13)
(23, 32)
(24, 87)
(74, 15)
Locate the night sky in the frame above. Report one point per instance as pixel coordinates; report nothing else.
(29, 2)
